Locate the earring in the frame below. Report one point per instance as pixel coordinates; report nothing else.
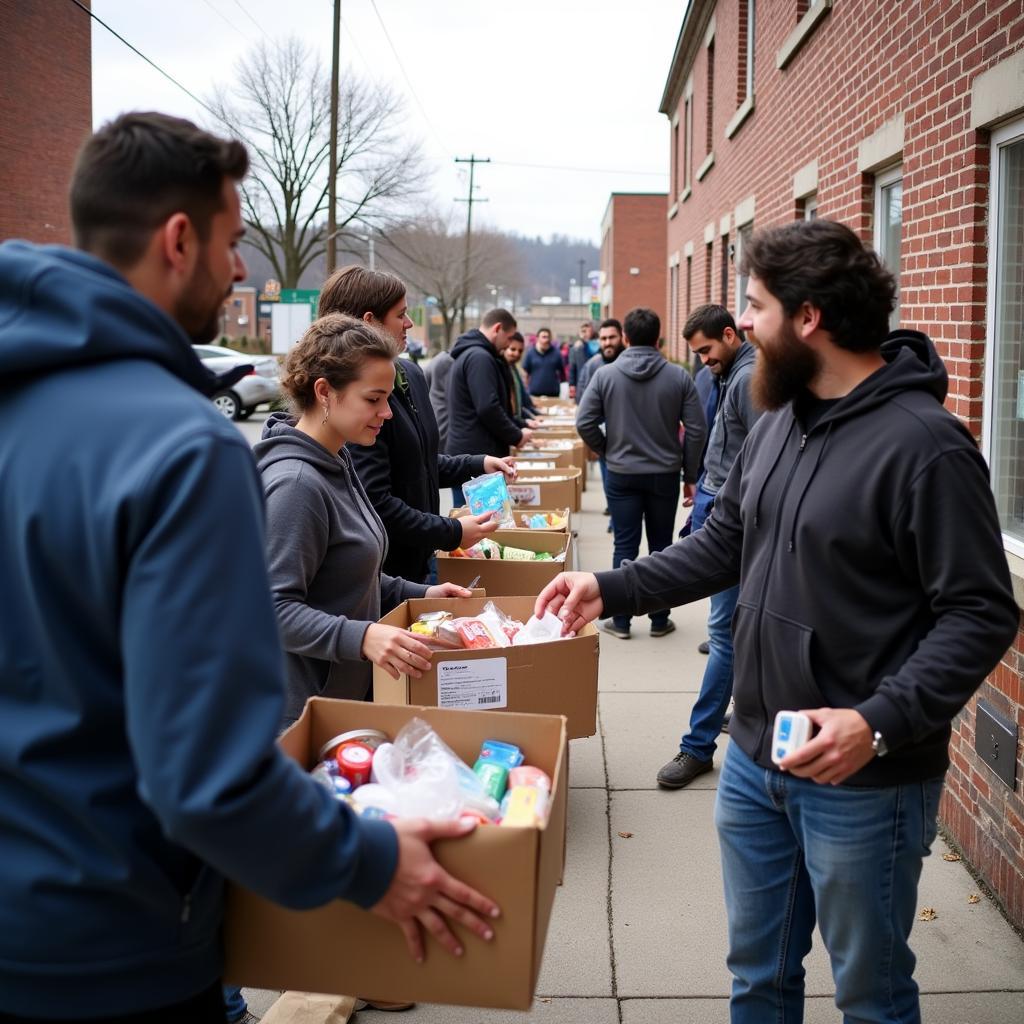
(326, 412)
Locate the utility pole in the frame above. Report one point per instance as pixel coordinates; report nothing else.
(332, 162)
(470, 199)
(582, 264)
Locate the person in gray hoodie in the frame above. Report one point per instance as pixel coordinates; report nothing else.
(642, 399)
(326, 544)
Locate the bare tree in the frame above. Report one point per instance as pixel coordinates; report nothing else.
(429, 255)
(279, 105)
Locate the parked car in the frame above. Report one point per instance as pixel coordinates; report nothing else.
(414, 349)
(258, 386)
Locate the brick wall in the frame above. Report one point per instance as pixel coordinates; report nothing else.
(46, 114)
(866, 63)
(635, 238)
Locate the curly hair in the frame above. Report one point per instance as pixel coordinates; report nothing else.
(825, 264)
(335, 347)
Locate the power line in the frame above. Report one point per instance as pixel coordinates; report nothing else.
(401, 67)
(245, 11)
(579, 170)
(156, 67)
(227, 21)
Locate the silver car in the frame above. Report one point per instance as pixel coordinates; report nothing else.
(261, 385)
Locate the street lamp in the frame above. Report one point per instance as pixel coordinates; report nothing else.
(369, 240)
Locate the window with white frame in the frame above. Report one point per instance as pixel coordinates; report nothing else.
(1004, 359)
(889, 226)
(742, 241)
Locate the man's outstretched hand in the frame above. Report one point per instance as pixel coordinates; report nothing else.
(574, 597)
(423, 893)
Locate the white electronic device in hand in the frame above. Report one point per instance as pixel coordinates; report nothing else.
(792, 730)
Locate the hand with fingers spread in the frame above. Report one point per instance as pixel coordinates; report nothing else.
(475, 528)
(493, 464)
(574, 597)
(396, 651)
(841, 746)
(423, 895)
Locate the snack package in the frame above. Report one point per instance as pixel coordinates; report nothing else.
(427, 623)
(489, 493)
(428, 631)
(512, 554)
(526, 806)
(496, 760)
(489, 548)
(503, 627)
(539, 631)
(475, 634)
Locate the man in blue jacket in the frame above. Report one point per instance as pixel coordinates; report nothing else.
(874, 597)
(542, 365)
(140, 669)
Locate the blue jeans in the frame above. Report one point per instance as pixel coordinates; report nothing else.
(235, 1006)
(716, 686)
(638, 501)
(793, 852)
(458, 498)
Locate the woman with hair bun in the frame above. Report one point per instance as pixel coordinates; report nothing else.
(326, 545)
(403, 472)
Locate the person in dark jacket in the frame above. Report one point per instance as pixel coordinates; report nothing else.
(584, 348)
(481, 410)
(403, 471)
(327, 546)
(542, 365)
(874, 597)
(642, 400)
(711, 333)
(139, 653)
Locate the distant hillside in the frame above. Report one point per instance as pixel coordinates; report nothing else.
(547, 265)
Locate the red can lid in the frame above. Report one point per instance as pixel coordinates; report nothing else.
(354, 756)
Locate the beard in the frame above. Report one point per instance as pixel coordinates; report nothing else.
(783, 369)
(198, 309)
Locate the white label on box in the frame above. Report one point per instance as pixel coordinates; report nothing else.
(472, 684)
(525, 494)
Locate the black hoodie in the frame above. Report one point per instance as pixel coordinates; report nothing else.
(870, 563)
(480, 404)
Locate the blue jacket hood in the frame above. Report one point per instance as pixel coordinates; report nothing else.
(61, 308)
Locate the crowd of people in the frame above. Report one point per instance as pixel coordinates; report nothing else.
(842, 526)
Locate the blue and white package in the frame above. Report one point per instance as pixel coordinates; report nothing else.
(489, 493)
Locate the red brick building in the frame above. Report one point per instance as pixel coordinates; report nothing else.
(46, 114)
(633, 254)
(906, 122)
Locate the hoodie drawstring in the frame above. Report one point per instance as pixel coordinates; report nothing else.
(817, 462)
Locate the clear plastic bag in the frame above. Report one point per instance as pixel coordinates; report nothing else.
(540, 631)
(419, 776)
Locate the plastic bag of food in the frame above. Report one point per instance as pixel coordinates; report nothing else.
(540, 631)
(476, 635)
(489, 493)
(501, 625)
(419, 776)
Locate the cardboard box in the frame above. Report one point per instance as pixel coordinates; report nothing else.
(526, 512)
(549, 488)
(557, 678)
(565, 451)
(341, 949)
(505, 576)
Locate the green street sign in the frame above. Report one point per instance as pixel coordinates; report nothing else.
(595, 310)
(301, 297)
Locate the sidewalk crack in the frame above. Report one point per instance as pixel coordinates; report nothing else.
(611, 855)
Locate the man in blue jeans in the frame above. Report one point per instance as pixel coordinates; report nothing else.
(874, 597)
(711, 334)
(642, 399)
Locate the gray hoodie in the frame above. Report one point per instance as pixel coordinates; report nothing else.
(325, 549)
(642, 399)
(735, 418)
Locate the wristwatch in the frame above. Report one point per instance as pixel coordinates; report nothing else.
(878, 745)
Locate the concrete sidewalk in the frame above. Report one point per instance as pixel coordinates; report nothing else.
(638, 933)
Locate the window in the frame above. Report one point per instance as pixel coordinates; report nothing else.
(689, 285)
(708, 256)
(673, 313)
(675, 161)
(688, 143)
(745, 54)
(810, 206)
(1004, 358)
(742, 241)
(725, 271)
(710, 133)
(888, 226)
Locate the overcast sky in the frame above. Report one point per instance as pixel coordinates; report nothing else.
(569, 83)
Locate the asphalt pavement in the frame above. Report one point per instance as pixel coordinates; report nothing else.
(638, 933)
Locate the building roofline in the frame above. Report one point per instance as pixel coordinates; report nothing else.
(664, 195)
(698, 14)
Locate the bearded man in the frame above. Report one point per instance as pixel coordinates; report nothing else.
(874, 596)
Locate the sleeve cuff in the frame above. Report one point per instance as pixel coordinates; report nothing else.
(350, 643)
(614, 594)
(376, 862)
(883, 716)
